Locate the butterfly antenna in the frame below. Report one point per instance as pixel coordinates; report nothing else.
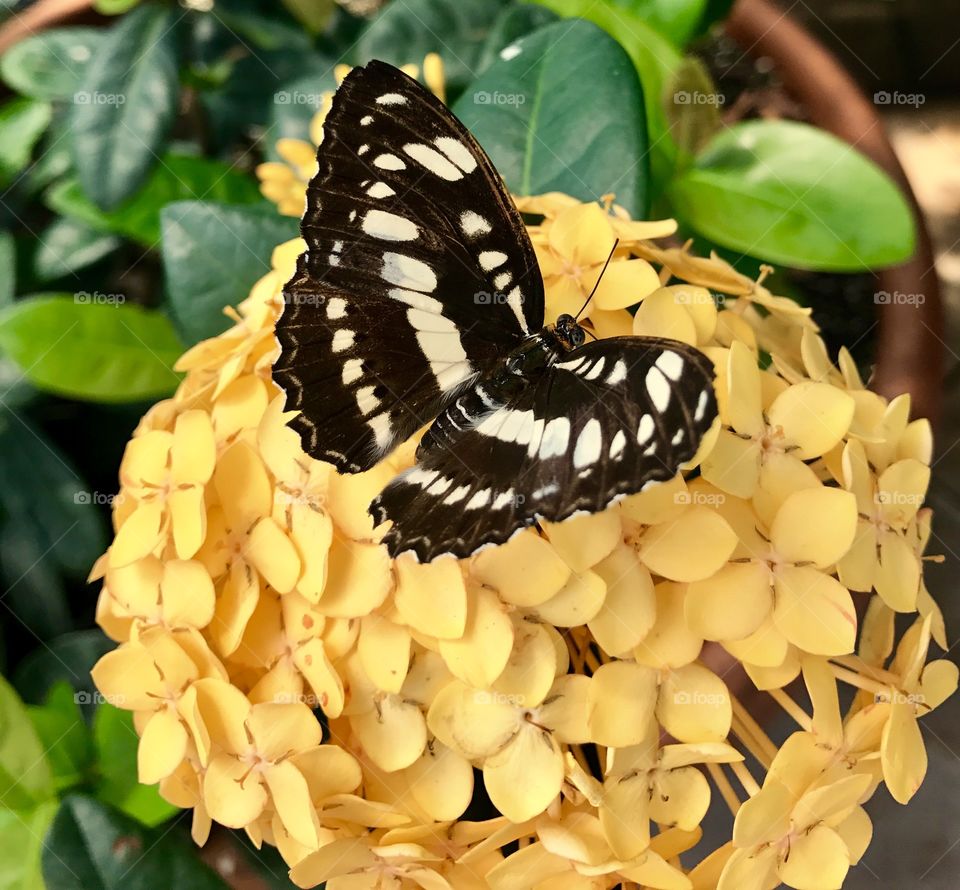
(599, 277)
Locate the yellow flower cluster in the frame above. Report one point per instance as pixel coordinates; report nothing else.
(286, 677)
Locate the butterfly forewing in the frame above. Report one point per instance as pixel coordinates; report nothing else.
(606, 420)
(418, 274)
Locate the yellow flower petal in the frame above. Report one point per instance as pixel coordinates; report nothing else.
(524, 777)
(384, 650)
(279, 729)
(291, 797)
(629, 607)
(903, 753)
(138, 536)
(732, 604)
(662, 315)
(679, 797)
(584, 540)
(432, 597)
(526, 571)
(475, 723)
(815, 525)
(393, 733)
(576, 603)
(694, 705)
(814, 416)
(441, 781)
(818, 860)
(814, 611)
(670, 642)
(621, 700)
(665, 549)
(188, 595)
(273, 555)
(358, 579)
(232, 793)
(163, 745)
(625, 283)
(763, 818)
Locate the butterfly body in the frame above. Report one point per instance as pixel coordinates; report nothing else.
(389, 325)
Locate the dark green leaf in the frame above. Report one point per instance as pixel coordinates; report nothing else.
(790, 193)
(405, 32)
(25, 777)
(312, 14)
(91, 346)
(513, 23)
(35, 591)
(677, 20)
(692, 106)
(114, 7)
(212, 256)
(51, 64)
(68, 659)
(294, 107)
(91, 845)
(564, 112)
(8, 268)
(67, 245)
(21, 840)
(116, 741)
(654, 57)
(177, 178)
(22, 122)
(64, 735)
(124, 105)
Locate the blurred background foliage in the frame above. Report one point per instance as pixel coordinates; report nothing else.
(130, 216)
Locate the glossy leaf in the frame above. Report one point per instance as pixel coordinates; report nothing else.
(21, 840)
(564, 112)
(655, 59)
(91, 346)
(793, 194)
(25, 776)
(64, 735)
(405, 32)
(92, 845)
(125, 105)
(115, 750)
(50, 65)
(212, 255)
(67, 245)
(176, 178)
(8, 268)
(22, 123)
(510, 25)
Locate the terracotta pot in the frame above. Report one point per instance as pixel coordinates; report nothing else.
(910, 347)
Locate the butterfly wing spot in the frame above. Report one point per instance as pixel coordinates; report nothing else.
(596, 369)
(343, 340)
(433, 161)
(556, 438)
(645, 430)
(480, 499)
(408, 273)
(439, 486)
(618, 444)
(491, 259)
(363, 150)
(382, 430)
(502, 499)
(473, 224)
(457, 152)
(671, 364)
(618, 374)
(352, 370)
(367, 401)
(677, 437)
(380, 190)
(416, 299)
(366, 120)
(336, 308)
(388, 161)
(515, 302)
(502, 281)
(389, 226)
(391, 99)
(457, 495)
(701, 406)
(658, 388)
(589, 444)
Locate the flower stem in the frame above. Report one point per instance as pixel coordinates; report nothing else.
(801, 717)
(724, 787)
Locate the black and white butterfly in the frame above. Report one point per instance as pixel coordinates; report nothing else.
(419, 300)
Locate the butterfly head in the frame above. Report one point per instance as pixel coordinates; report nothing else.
(568, 332)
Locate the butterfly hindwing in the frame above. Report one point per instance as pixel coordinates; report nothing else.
(418, 274)
(606, 420)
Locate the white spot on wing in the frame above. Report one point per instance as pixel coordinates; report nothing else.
(388, 161)
(618, 374)
(366, 120)
(342, 339)
(458, 494)
(596, 369)
(473, 224)
(480, 499)
(391, 99)
(457, 152)
(336, 308)
(589, 444)
(382, 430)
(701, 406)
(490, 259)
(645, 430)
(556, 437)
(618, 444)
(352, 370)
(416, 300)
(671, 364)
(389, 226)
(658, 388)
(380, 190)
(366, 401)
(433, 161)
(408, 273)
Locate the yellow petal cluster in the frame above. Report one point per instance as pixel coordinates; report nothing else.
(287, 678)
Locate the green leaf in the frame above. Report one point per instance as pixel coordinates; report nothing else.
(212, 256)
(67, 659)
(64, 735)
(405, 32)
(91, 346)
(25, 777)
(22, 123)
(677, 20)
(563, 113)
(8, 268)
(91, 845)
(692, 107)
(790, 193)
(655, 59)
(51, 64)
(114, 7)
(314, 15)
(294, 107)
(67, 245)
(510, 25)
(115, 743)
(177, 178)
(125, 105)
(21, 840)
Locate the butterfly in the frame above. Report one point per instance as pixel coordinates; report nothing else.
(419, 301)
